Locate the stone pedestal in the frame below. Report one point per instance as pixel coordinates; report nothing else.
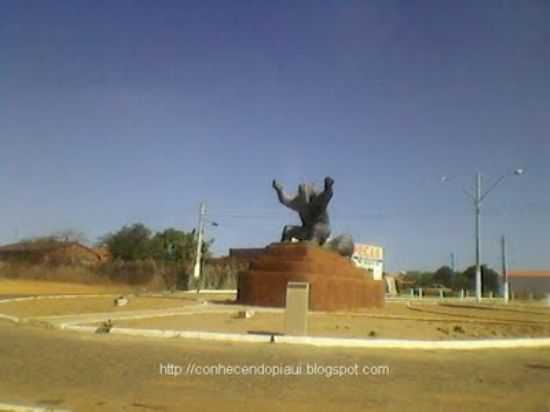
(297, 308)
(336, 284)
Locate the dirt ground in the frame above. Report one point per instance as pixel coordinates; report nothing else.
(359, 325)
(428, 320)
(116, 373)
(13, 287)
(55, 307)
(81, 372)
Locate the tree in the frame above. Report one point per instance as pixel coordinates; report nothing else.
(173, 245)
(444, 275)
(137, 242)
(469, 276)
(420, 279)
(461, 281)
(489, 279)
(424, 279)
(129, 243)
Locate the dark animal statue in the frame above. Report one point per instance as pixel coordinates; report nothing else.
(311, 206)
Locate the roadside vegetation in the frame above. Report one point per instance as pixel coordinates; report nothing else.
(137, 256)
(445, 277)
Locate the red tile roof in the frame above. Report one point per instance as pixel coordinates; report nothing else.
(43, 247)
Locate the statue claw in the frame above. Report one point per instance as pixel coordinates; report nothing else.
(276, 185)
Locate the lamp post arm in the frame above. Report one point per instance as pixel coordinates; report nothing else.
(493, 186)
(469, 194)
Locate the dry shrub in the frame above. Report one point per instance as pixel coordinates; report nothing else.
(146, 274)
(173, 274)
(55, 272)
(223, 275)
(149, 274)
(137, 272)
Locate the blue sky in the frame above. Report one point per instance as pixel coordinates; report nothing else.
(133, 111)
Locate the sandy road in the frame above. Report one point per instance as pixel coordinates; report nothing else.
(116, 373)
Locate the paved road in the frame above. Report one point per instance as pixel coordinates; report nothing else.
(117, 373)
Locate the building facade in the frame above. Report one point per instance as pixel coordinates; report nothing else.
(526, 283)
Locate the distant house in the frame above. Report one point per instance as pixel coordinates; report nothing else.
(41, 251)
(404, 281)
(525, 282)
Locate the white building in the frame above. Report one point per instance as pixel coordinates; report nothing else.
(369, 257)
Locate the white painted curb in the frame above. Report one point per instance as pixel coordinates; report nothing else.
(215, 336)
(74, 324)
(44, 297)
(99, 317)
(88, 329)
(158, 333)
(512, 343)
(10, 318)
(20, 408)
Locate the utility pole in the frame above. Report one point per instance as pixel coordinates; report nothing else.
(200, 234)
(452, 257)
(506, 290)
(477, 204)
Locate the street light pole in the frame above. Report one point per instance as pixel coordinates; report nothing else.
(200, 234)
(478, 197)
(477, 201)
(506, 290)
(453, 263)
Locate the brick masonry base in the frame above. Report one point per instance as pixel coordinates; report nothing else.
(336, 284)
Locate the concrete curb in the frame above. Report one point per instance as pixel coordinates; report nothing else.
(76, 328)
(10, 318)
(212, 336)
(542, 310)
(45, 297)
(13, 407)
(99, 317)
(75, 324)
(143, 314)
(513, 343)
(186, 334)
